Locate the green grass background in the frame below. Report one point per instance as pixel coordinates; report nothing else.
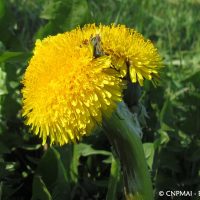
(169, 114)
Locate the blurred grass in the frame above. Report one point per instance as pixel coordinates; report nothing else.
(170, 132)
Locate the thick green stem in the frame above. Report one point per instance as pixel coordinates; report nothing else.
(123, 133)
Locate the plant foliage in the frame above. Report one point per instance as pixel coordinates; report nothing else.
(168, 113)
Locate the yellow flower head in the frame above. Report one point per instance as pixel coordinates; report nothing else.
(66, 89)
(75, 78)
(130, 52)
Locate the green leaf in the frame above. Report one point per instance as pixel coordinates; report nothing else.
(48, 29)
(52, 171)
(62, 16)
(66, 156)
(78, 14)
(3, 89)
(39, 190)
(50, 9)
(2, 47)
(113, 180)
(9, 55)
(2, 8)
(87, 150)
(166, 112)
(79, 150)
(193, 77)
(149, 153)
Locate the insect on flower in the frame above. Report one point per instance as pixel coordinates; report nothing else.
(96, 43)
(75, 79)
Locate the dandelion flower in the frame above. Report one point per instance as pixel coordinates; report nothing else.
(76, 78)
(67, 89)
(131, 53)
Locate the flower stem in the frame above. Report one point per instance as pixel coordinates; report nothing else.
(123, 132)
